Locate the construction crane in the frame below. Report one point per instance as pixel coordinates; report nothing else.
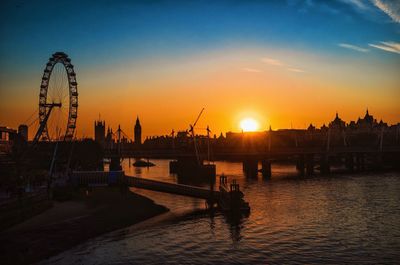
(191, 130)
(173, 140)
(208, 144)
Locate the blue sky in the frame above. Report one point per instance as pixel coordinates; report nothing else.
(149, 36)
(117, 29)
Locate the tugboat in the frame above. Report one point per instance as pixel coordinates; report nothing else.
(231, 200)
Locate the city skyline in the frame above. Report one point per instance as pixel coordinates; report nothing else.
(166, 61)
(364, 123)
(199, 132)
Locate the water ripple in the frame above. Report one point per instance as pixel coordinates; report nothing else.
(335, 220)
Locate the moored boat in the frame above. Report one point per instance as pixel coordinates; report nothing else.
(231, 197)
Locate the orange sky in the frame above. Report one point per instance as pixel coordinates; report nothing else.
(278, 88)
(283, 63)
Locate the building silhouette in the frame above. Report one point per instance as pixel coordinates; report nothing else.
(365, 131)
(23, 131)
(337, 124)
(7, 138)
(99, 132)
(368, 122)
(138, 132)
(109, 141)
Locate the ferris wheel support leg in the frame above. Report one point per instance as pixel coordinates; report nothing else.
(42, 126)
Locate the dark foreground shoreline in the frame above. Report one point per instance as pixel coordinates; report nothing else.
(70, 223)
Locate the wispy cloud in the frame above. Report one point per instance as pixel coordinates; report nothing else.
(296, 70)
(356, 3)
(328, 9)
(372, 9)
(388, 46)
(390, 7)
(352, 47)
(278, 63)
(252, 70)
(272, 61)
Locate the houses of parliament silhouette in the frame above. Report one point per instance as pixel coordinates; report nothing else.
(109, 140)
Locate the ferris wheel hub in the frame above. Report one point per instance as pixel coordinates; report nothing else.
(51, 105)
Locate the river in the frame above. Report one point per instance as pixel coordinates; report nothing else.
(336, 219)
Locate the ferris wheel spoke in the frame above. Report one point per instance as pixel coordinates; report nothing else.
(65, 83)
(64, 118)
(65, 96)
(65, 112)
(61, 89)
(52, 87)
(56, 81)
(59, 125)
(52, 83)
(60, 86)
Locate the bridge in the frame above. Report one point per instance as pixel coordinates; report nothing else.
(110, 178)
(306, 158)
(240, 153)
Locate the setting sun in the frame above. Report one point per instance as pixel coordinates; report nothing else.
(249, 125)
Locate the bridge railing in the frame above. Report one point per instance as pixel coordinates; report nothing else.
(235, 152)
(170, 187)
(109, 178)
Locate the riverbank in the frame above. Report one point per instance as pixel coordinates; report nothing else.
(69, 223)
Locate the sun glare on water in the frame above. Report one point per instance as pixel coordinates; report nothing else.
(249, 125)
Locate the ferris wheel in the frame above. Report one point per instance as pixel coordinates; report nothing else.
(58, 100)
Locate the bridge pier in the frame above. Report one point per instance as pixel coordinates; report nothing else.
(349, 162)
(266, 168)
(300, 165)
(309, 165)
(378, 163)
(173, 166)
(394, 161)
(360, 162)
(250, 167)
(325, 165)
(115, 163)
